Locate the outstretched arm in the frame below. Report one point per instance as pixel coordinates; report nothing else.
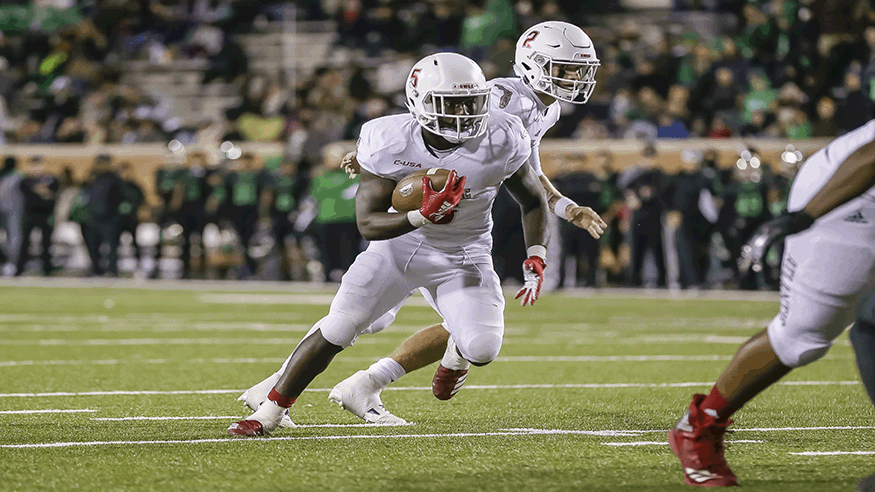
(584, 217)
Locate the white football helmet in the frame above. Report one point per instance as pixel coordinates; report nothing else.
(557, 43)
(447, 94)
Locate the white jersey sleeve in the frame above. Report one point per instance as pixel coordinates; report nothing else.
(818, 169)
(520, 143)
(379, 140)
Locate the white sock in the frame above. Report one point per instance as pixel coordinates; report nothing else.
(385, 371)
(452, 359)
(269, 414)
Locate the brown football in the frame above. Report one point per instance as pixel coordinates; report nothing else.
(408, 192)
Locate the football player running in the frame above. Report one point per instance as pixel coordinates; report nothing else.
(829, 259)
(445, 246)
(555, 61)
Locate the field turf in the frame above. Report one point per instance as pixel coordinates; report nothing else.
(128, 389)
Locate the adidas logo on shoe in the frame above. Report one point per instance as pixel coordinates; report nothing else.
(857, 218)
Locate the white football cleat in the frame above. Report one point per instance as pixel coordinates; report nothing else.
(256, 395)
(253, 397)
(360, 396)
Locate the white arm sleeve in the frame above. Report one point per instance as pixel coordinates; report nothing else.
(535, 160)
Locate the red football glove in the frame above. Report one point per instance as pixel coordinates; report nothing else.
(533, 274)
(437, 206)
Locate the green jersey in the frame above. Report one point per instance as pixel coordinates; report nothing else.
(334, 193)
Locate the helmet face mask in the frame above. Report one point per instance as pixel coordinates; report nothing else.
(548, 53)
(456, 117)
(447, 94)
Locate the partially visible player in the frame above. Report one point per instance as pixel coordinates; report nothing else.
(555, 61)
(829, 259)
(445, 247)
(862, 337)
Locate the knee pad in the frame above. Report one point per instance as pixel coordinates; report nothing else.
(800, 342)
(338, 329)
(481, 349)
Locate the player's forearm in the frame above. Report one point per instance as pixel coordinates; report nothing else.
(553, 195)
(536, 227)
(377, 226)
(851, 179)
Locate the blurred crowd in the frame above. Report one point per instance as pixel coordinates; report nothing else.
(706, 69)
(710, 69)
(234, 220)
(237, 219)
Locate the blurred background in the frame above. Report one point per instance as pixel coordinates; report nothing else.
(201, 138)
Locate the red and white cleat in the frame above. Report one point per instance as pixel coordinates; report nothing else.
(697, 440)
(447, 382)
(249, 428)
(264, 421)
(256, 395)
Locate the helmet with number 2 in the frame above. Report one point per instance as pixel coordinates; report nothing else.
(447, 94)
(558, 59)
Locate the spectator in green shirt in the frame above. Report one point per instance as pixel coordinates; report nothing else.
(333, 194)
(760, 97)
(799, 127)
(243, 187)
(278, 198)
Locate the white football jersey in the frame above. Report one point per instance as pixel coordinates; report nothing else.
(392, 147)
(822, 165)
(513, 96)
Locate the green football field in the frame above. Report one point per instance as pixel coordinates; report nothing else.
(127, 389)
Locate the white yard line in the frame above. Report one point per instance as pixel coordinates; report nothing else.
(601, 433)
(145, 327)
(260, 439)
(51, 410)
(237, 417)
(613, 358)
(614, 338)
(418, 388)
(154, 341)
(665, 443)
(309, 299)
(835, 453)
(783, 429)
(504, 432)
(278, 360)
(270, 360)
(308, 287)
(636, 432)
